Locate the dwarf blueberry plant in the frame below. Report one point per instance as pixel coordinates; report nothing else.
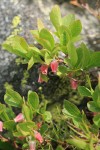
(33, 127)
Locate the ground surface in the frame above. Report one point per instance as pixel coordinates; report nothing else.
(30, 10)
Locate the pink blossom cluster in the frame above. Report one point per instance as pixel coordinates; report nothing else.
(44, 69)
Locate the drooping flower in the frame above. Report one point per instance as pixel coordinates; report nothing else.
(74, 83)
(32, 145)
(39, 125)
(54, 66)
(1, 126)
(19, 118)
(38, 136)
(40, 80)
(44, 69)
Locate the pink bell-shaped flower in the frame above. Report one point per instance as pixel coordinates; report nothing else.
(38, 136)
(19, 118)
(1, 126)
(32, 145)
(74, 83)
(44, 69)
(54, 66)
(40, 80)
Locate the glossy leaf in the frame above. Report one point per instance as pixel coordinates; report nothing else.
(33, 100)
(44, 128)
(75, 28)
(10, 125)
(2, 108)
(96, 96)
(55, 17)
(96, 120)
(30, 63)
(13, 98)
(45, 34)
(69, 19)
(95, 60)
(64, 38)
(47, 116)
(25, 128)
(59, 147)
(27, 112)
(63, 69)
(84, 91)
(93, 107)
(71, 110)
(16, 45)
(72, 53)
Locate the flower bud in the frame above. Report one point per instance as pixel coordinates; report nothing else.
(1, 126)
(54, 66)
(39, 125)
(32, 145)
(19, 118)
(74, 83)
(38, 136)
(44, 69)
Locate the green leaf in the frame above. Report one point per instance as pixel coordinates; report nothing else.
(84, 91)
(81, 144)
(59, 147)
(33, 100)
(25, 146)
(48, 58)
(30, 63)
(45, 43)
(63, 29)
(2, 108)
(63, 69)
(95, 59)
(27, 112)
(75, 28)
(10, 113)
(16, 45)
(93, 107)
(47, 116)
(17, 134)
(86, 56)
(10, 125)
(34, 50)
(96, 96)
(45, 34)
(83, 54)
(13, 98)
(55, 16)
(34, 32)
(72, 53)
(44, 128)
(25, 128)
(69, 19)
(64, 38)
(71, 110)
(96, 120)
(40, 24)
(4, 116)
(6, 146)
(44, 77)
